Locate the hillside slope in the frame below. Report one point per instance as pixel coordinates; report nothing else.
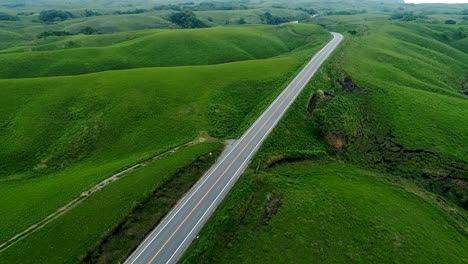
(163, 48)
(388, 100)
(61, 135)
(327, 213)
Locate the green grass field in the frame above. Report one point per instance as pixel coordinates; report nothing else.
(328, 212)
(414, 83)
(407, 118)
(162, 48)
(386, 175)
(61, 135)
(70, 237)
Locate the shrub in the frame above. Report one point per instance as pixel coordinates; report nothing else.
(53, 33)
(450, 22)
(89, 31)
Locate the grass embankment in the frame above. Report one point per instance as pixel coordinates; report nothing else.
(163, 48)
(71, 236)
(328, 213)
(123, 239)
(62, 135)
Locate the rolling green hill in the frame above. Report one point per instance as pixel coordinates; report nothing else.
(163, 48)
(401, 110)
(77, 41)
(461, 44)
(328, 213)
(61, 135)
(388, 100)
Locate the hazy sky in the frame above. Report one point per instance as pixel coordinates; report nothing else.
(436, 1)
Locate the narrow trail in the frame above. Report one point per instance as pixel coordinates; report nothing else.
(88, 193)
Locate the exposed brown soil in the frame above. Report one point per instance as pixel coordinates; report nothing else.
(336, 141)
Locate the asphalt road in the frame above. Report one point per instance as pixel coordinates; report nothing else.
(168, 241)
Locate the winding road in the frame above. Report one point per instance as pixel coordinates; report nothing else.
(168, 241)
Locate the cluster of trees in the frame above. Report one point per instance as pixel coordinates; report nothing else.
(7, 17)
(51, 33)
(25, 13)
(346, 12)
(90, 13)
(309, 11)
(186, 19)
(89, 31)
(274, 20)
(85, 31)
(130, 12)
(168, 7)
(450, 22)
(49, 16)
(204, 6)
(406, 16)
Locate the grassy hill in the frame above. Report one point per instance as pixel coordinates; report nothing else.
(61, 135)
(77, 41)
(328, 212)
(388, 100)
(163, 48)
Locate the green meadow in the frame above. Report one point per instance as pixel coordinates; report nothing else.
(369, 165)
(62, 135)
(161, 48)
(376, 172)
(327, 212)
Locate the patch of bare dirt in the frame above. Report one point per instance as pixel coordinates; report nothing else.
(336, 141)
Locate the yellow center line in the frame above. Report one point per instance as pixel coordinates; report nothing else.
(224, 172)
